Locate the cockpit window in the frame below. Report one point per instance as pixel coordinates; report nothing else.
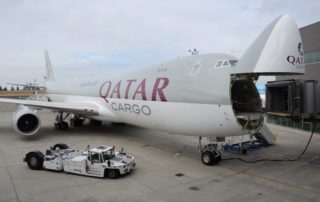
(219, 63)
(233, 62)
(226, 64)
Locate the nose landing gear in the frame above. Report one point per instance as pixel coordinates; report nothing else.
(209, 153)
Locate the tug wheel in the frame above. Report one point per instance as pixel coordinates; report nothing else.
(35, 160)
(60, 146)
(112, 173)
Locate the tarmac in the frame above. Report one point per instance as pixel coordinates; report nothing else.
(168, 167)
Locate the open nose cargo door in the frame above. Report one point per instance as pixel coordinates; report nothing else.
(276, 51)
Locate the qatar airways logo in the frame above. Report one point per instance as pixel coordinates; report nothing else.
(297, 60)
(122, 89)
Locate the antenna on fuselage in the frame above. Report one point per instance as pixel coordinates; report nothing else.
(194, 51)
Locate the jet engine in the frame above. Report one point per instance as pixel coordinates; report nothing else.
(25, 121)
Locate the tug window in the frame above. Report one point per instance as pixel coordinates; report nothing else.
(107, 155)
(95, 158)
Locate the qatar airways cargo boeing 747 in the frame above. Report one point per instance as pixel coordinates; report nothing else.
(211, 95)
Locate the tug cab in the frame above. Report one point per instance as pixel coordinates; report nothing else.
(101, 154)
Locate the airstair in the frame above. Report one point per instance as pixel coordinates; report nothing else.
(262, 139)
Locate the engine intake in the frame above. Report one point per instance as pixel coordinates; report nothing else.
(25, 121)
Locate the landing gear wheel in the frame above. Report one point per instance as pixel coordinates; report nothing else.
(35, 160)
(207, 158)
(62, 125)
(76, 121)
(65, 125)
(112, 173)
(243, 151)
(209, 154)
(210, 158)
(60, 146)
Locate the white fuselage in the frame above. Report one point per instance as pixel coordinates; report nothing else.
(187, 96)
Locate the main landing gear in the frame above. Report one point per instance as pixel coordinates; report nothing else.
(76, 121)
(209, 153)
(60, 123)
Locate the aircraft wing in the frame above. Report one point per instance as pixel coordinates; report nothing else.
(79, 108)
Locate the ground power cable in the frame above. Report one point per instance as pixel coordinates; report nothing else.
(314, 123)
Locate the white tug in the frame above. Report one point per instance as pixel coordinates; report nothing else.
(102, 161)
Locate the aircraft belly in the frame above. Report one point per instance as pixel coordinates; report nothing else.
(182, 118)
(174, 117)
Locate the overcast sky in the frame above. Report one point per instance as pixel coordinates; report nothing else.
(84, 37)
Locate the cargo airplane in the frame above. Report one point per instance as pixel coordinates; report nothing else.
(204, 95)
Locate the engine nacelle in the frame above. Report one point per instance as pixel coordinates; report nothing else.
(25, 121)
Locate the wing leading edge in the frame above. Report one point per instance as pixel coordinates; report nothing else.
(79, 108)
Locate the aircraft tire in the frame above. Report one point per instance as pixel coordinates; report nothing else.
(64, 125)
(243, 151)
(76, 122)
(207, 158)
